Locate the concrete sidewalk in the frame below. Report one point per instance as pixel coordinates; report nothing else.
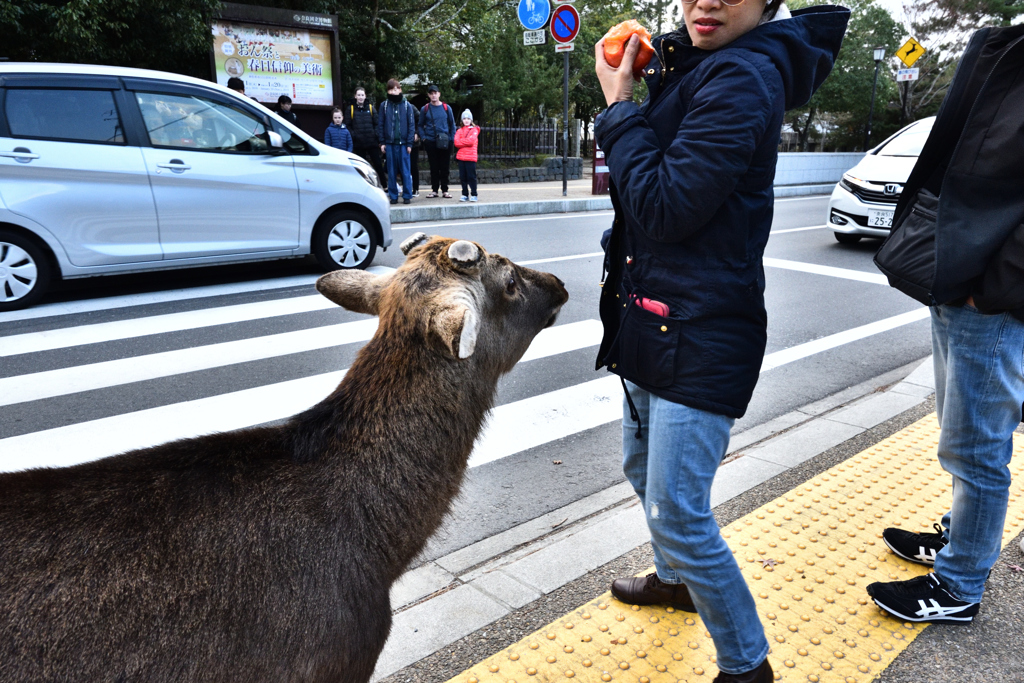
(520, 199)
(462, 608)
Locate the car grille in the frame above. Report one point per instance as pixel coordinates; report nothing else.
(873, 197)
(869, 194)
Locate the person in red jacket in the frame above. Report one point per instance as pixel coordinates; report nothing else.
(466, 145)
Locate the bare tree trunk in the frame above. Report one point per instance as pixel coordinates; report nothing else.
(805, 134)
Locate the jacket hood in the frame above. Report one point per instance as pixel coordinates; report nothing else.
(802, 47)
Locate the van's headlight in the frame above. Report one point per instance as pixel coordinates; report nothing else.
(369, 175)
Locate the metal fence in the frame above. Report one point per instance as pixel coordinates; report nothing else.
(525, 140)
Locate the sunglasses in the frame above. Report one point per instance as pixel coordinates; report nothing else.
(730, 3)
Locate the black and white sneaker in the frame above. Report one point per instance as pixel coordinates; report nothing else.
(925, 598)
(919, 548)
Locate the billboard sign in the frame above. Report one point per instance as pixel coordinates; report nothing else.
(275, 61)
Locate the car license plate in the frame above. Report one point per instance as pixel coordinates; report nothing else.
(880, 219)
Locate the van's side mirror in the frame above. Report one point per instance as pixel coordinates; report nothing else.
(275, 140)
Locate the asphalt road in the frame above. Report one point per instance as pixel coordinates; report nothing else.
(80, 378)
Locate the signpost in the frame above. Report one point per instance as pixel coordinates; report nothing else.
(565, 26)
(909, 53)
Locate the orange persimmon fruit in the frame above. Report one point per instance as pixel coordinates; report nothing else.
(615, 44)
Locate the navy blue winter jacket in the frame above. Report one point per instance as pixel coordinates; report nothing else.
(386, 122)
(338, 137)
(691, 175)
(434, 120)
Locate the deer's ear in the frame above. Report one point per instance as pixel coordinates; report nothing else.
(355, 290)
(456, 327)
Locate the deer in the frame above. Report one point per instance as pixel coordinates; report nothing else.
(268, 553)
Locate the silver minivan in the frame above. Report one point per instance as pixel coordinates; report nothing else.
(108, 170)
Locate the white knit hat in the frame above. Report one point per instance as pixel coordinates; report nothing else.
(467, 115)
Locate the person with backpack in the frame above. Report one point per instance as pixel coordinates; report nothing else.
(466, 140)
(337, 134)
(957, 246)
(437, 130)
(396, 129)
(361, 119)
(682, 306)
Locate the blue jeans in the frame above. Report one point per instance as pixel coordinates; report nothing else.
(399, 162)
(671, 468)
(979, 387)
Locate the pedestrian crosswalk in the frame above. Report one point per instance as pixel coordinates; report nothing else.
(44, 370)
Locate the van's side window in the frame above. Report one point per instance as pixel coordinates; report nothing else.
(190, 122)
(64, 114)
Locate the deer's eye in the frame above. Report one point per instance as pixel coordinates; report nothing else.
(510, 286)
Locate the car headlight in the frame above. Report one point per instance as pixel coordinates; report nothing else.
(847, 182)
(369, 175)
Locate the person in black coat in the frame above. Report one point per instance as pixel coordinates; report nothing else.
(437, 131)
(682, 305)
(284, 110)
(361, 118)
(957, 245)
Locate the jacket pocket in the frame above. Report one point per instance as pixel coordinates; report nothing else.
(647, 347)
(908, 255)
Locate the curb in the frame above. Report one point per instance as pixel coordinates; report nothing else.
(496, 209)
(462, 211)
(444, 600)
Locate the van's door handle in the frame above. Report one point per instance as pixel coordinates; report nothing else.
(176, 165)
(20, 154)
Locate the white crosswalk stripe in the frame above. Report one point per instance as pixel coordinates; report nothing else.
(512, 428)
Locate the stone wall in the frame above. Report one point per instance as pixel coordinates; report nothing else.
(551, 169)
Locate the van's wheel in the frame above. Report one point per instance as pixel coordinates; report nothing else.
(344, 238)
(843, 238)
(25, 272)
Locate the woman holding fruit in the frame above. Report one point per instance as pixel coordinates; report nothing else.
(682, 305)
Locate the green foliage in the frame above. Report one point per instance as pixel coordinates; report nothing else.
(163, 34)
(844, 99)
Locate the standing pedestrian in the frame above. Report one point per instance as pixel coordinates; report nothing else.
(683, 302)
(362, 125)
(284, 110)
(437, 129)
(957, 245)
(396, 128)
(337, 134)
(466, 140)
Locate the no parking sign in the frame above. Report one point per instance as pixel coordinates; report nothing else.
(565, 24)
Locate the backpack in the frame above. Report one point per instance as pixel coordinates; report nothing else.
(352, 111)
(441, 140)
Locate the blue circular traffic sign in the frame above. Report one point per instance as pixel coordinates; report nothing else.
(533, 14)
(565, 24)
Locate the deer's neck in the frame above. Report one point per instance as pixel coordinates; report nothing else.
(399, 432)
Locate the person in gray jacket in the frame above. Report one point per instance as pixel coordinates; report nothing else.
(957, 245)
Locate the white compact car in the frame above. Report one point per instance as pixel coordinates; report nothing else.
(863, 203)
(112, 170)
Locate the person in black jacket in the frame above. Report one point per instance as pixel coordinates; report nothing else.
(361, 118)
(682, 305)
(958, 246)
(284, 110)
(396, 128)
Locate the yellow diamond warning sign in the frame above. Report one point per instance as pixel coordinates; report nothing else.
(910, 52)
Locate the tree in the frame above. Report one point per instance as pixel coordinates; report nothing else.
(846, 94)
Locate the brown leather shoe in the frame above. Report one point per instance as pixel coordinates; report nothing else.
(762, 674)
(650, 590)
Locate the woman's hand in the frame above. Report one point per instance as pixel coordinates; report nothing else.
(617, 84)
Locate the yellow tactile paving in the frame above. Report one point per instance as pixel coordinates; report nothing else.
(807, 557)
